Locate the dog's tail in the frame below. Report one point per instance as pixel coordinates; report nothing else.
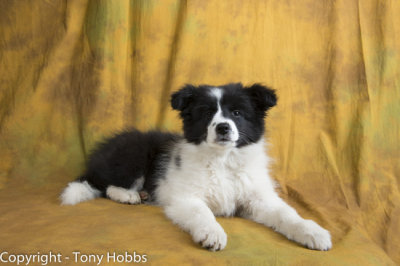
(78, 191)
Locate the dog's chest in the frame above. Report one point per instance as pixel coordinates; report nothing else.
(228, 186)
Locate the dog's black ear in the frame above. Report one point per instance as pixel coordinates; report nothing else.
(182, 98)
(262, 96)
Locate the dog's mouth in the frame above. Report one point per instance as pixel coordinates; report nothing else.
(223, 140)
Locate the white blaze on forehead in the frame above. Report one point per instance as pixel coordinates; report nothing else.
(217, 93)
(219, 118)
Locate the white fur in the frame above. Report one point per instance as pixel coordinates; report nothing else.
(138, 185)
(217, 93)
(219, 118)
(77, 192)
(123, 195)
(212, 181)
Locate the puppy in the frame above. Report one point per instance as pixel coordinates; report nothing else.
(217, 168)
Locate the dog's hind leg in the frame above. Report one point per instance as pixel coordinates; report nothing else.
(124, 195)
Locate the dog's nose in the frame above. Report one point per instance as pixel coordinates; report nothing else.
(223, 128)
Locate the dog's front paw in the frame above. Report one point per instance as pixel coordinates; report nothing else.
(212, 238)
(313, 236)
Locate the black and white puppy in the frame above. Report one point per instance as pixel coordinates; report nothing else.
(218, 168)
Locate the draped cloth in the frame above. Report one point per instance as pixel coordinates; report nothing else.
(73, 72)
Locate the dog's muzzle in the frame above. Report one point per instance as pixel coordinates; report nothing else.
(223, 131)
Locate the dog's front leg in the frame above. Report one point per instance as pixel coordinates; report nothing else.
(194, 216)
(277, 214)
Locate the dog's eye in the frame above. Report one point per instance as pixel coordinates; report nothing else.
(236, 113)
(208, 114)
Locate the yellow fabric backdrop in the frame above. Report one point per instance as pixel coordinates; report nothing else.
(72, 72)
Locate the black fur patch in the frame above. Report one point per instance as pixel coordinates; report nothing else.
(126, 157)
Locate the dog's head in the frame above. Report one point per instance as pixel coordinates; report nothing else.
(223, 116)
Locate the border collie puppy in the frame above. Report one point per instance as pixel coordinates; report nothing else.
(217, 168)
